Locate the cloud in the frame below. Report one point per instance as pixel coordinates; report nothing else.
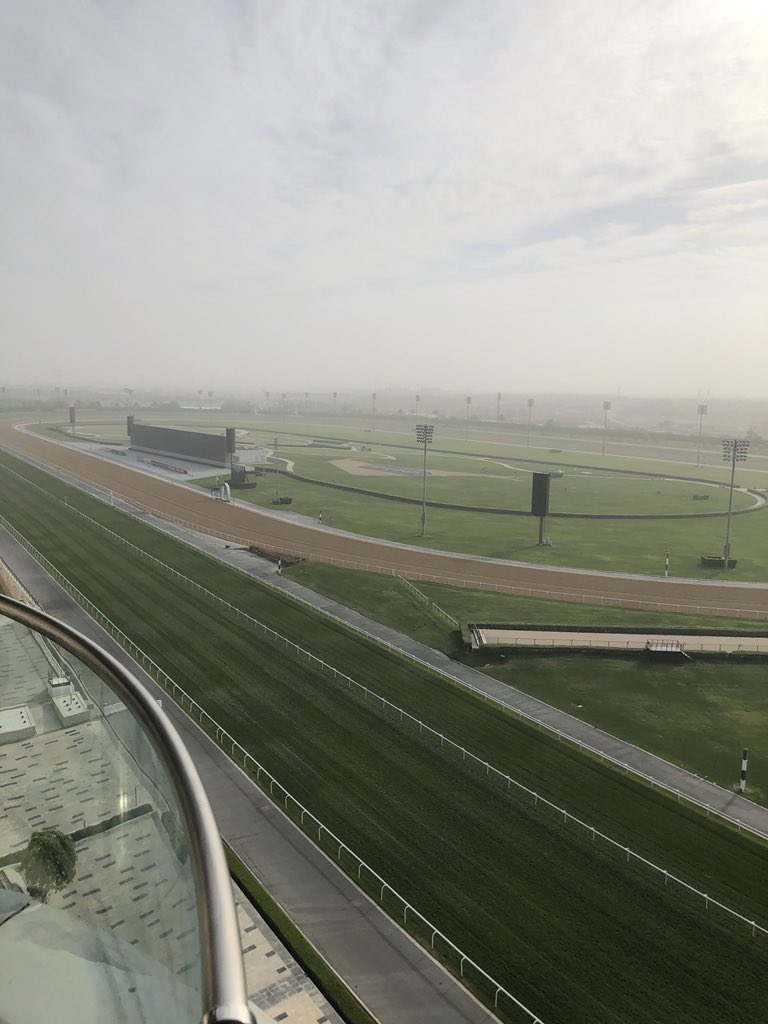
(229, 174)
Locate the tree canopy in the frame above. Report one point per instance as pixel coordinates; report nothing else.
(48, 863)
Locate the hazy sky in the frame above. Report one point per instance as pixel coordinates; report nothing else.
(528, 195)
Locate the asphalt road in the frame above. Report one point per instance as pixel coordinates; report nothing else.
(250, 525)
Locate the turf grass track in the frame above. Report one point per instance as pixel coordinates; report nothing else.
(560, 921)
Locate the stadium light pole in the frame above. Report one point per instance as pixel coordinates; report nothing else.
(373, 408)
(734, 450)
(466, 431)
(702, 410)
(530, 410)
(277, 473)
(424, 434)
(606, 410)
(418, 399)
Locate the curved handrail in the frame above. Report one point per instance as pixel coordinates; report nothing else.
(223, 983)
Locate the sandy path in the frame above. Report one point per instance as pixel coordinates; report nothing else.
(250, 526)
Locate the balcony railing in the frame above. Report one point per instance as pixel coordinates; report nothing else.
(115, 900)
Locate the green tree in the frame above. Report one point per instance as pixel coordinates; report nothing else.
(48, 863)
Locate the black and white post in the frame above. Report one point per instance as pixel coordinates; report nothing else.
(743, 779)
(734, 450)
(666, 564)
(424, 434)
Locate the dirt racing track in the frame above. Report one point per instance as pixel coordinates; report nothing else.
(252, 526)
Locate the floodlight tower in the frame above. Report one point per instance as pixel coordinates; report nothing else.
(530, 410)
(606, 410)
(373, 409)
(734, 450)
(418, 399)
(702, 410)
(424, 434)
(277, 474)
(469, 403)
(498, 407)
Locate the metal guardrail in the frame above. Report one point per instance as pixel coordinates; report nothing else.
(289, 802)
(637, 644)
(432, 606)
(223, 995)
(423, 726)
(466, 581)
(596, 751)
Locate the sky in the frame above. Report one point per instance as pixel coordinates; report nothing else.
(560, 195)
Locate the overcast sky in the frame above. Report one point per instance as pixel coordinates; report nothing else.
(530, 195)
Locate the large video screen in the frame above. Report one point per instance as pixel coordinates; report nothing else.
(185, 443)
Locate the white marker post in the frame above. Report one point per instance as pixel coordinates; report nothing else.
(666, 564)
(743, 781)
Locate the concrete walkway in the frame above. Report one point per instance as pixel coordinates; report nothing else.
(678, 780)
(729, 804)
(392, 975)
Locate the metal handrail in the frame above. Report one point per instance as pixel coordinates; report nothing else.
(223, 982)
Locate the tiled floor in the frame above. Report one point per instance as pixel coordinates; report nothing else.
(128, 878)
(277, 986)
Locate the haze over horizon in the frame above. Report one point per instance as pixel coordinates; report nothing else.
(560, 197)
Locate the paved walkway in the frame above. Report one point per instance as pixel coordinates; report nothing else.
(738, 809)
(678, 780)
(392, 975)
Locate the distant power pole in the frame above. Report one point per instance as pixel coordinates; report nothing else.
(530, 410)
(469, 403)
(606, 410)
(498, 407)
(373, 409)
(734, 450)
(424, 433)
(702, 410)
